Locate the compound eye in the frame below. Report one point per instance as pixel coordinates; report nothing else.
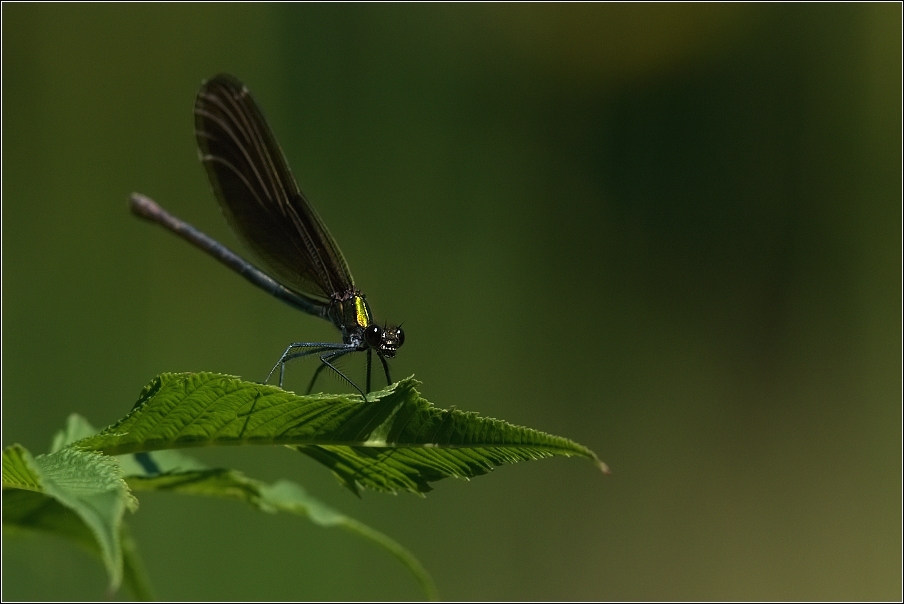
(400, 335)
(373, 335)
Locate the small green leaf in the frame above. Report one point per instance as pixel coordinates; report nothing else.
(76, 428)
(74, 493)
(397, 441)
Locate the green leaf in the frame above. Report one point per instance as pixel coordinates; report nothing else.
(290, 497)
(78, 494)
(26, 506)
(76, 428)
(40, 512)
(180, 473)
(397, 441)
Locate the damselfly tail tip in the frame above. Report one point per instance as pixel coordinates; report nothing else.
(142, 205)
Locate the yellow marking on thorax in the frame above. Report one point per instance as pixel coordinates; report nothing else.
(362, 315)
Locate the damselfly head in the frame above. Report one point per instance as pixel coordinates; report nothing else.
(385, 340)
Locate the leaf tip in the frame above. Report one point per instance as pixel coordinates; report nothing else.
(605, 469)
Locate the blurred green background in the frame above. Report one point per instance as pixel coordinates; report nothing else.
(671, 233)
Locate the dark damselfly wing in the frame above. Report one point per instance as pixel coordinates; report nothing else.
(258, 194)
